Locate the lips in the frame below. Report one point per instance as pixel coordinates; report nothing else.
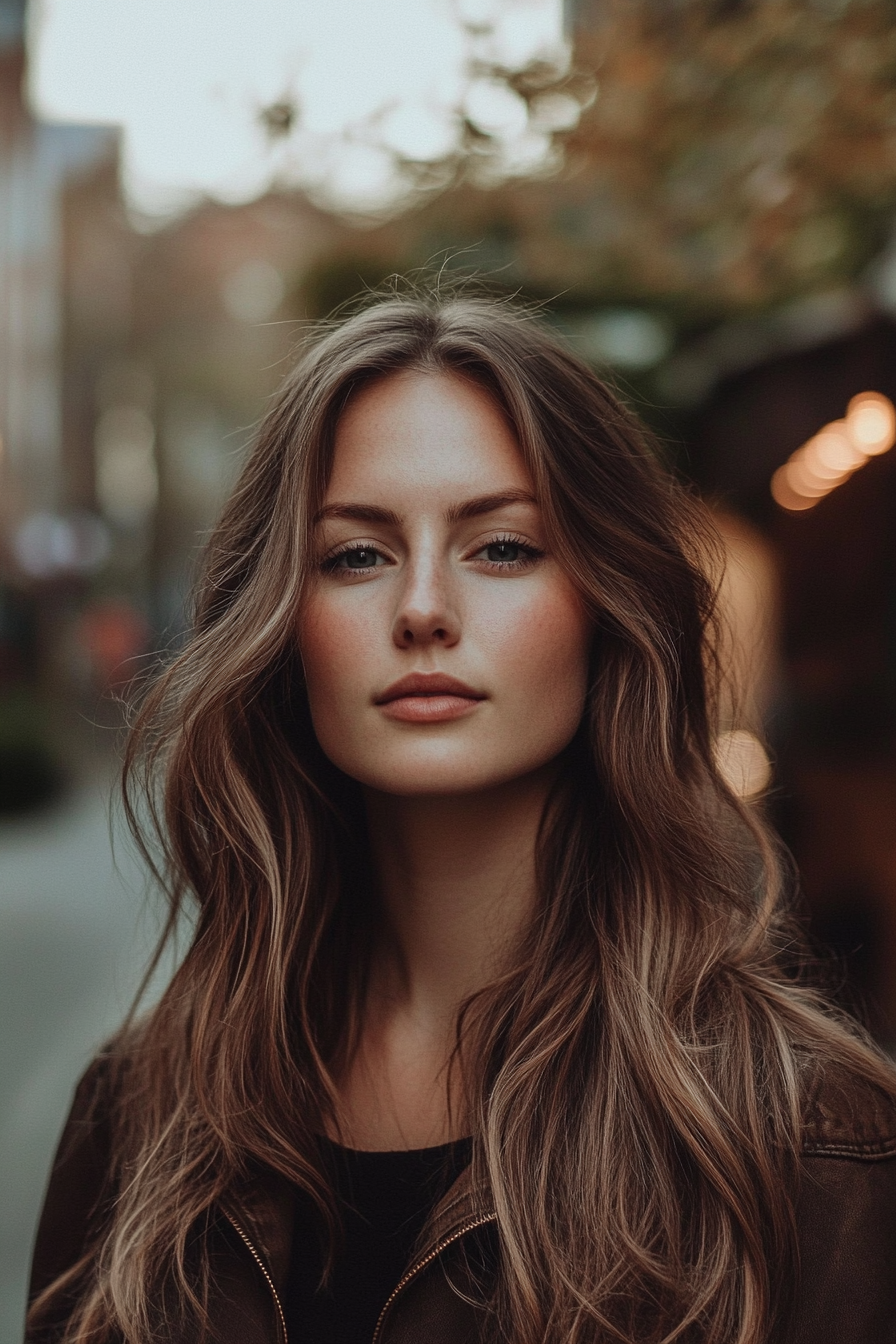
(419, 684)
(428, 697)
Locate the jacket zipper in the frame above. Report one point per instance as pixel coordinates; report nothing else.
(281, 1318)
(399, 1287)
(427, 1260)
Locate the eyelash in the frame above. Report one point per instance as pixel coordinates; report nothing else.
(530, 554)
(330, 563)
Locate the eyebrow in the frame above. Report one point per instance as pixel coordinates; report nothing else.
(471, 508)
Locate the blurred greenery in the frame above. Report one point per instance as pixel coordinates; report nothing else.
(29, 774)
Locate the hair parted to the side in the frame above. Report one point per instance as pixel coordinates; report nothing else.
(634, 1080)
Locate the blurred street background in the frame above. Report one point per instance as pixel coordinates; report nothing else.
(702, 196)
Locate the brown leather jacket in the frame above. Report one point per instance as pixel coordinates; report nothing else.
(846, 1217)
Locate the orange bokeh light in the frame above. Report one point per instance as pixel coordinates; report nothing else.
(835, 452)
(836, 449)
(784, 494)
(872, 422)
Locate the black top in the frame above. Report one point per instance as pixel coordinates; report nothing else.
(384, 1200)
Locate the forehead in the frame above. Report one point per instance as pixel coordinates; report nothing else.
(418, 431)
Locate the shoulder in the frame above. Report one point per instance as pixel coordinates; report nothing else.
(849, 1116)
(845, 1289)
(90, 1122)
(80, 1188)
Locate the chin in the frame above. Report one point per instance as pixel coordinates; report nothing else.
(418, 778)
(434, 787)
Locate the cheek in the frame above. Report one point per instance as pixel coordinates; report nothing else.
(334, 641)
(544, 647)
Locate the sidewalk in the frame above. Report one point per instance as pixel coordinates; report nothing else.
(76, 925)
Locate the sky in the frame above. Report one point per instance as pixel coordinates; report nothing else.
(374, 81)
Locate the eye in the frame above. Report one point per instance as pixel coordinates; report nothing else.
(508, 553)
(504, 552)
(354, 560)
(362, 558)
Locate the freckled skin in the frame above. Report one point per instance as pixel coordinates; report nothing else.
(477, 598)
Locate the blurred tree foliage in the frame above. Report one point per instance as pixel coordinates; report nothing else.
(730, 156)
(737, 152)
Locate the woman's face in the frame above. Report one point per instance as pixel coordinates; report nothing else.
(444, 648)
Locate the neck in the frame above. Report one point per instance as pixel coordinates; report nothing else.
(457, 887)
(456, 880)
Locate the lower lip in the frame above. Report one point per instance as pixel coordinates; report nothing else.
(429, 708)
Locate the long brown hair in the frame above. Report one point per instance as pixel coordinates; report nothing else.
(635, 1077)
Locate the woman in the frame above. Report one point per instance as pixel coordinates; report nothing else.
(490, 1027)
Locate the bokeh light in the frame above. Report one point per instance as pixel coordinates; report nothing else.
(743, 762)
(832, 455)
(872, 422)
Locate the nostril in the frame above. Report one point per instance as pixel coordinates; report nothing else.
(413, 628)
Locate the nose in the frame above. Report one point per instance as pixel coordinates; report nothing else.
(427, 613)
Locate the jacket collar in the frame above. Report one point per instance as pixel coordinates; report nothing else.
(464, 1203)
(264, 1204)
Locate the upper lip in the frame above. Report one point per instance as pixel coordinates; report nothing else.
(427, 683)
